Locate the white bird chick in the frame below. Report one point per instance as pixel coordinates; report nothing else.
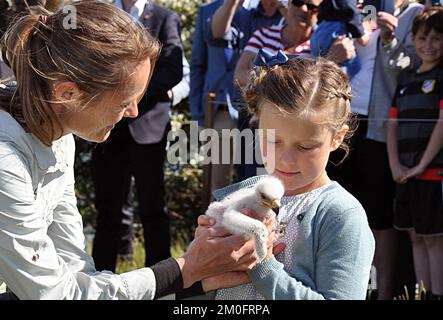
(262, 199)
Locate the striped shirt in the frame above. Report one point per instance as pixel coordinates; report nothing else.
(417, 104)
(270, 39)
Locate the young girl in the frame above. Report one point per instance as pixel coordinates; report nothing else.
(329, 246)
(80, 80)
(415, 149)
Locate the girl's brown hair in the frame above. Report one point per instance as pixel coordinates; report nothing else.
(97, 51)
(304, 88)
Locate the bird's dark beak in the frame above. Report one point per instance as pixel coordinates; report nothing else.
(274, 205)
(276, 210)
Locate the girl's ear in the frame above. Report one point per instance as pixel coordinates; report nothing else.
(339, 137)
(64, 92)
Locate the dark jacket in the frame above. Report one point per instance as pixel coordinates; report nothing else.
(154, 107)
(164, 25)
(345, 11)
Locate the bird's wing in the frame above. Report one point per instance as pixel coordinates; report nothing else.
(237, 196)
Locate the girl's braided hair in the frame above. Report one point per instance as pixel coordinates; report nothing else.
(302, 87)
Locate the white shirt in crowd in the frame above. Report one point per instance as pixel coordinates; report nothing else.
(136, 9)
(361, 83)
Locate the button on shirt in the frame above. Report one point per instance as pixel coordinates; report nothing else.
(42, 246)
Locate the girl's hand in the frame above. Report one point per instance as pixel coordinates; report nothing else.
(272, 238)
(204, 222)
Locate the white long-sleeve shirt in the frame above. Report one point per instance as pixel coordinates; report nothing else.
(42, 246)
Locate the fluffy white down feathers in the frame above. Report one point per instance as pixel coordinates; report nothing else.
(262, 199)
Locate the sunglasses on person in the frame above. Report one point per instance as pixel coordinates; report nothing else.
(311, 7)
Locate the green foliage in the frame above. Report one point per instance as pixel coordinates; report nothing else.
(183, 185)
(420, 293)
(84, 188)
(135, 261)
(183, 188)
(187, 11)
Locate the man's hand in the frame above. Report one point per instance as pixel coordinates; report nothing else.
(387, 24)
(341, 50)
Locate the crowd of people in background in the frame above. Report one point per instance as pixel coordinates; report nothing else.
(383, 48)
(394, 167)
